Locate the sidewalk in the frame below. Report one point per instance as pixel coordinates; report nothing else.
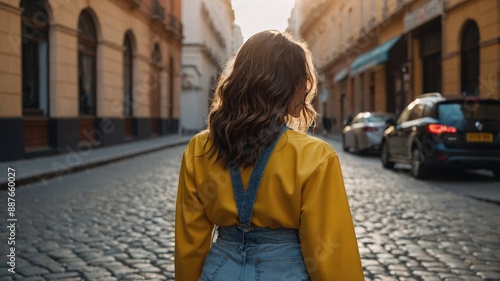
(36, 169)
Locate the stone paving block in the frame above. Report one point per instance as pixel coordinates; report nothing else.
(462, 271)
(489, 275)
(101, 260)
(133, 276)
(156, 276)
(33, 278)
(63, 275)
(61, 254)
(45, 262)
(430, 278)
(4, 272)
(168, 267)
(121, 270)
(385, 278)
(397, 273)
(447, 275)
(31, 270)
(471, 278)
(109, 278)
(93, 273)
(47, 246)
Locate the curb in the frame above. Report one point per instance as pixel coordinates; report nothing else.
(73, 169)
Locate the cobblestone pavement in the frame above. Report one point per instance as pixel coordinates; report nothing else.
(115, 222)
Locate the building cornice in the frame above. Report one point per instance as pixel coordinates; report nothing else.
(482, 44)
(64, 29)
(11, 9)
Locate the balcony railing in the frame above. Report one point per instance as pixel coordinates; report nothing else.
(157, 11)
(174, 24)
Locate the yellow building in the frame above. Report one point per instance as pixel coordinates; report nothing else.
(378, 55)
(87, 72)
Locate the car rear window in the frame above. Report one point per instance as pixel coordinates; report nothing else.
(378, 118)
(455, 113)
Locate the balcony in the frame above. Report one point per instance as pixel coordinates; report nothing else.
(174, 25)
(157, 11)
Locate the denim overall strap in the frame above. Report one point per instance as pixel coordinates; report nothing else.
(246, 200)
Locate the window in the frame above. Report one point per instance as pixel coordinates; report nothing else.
(403, 117)
(430, 45)
(156, 82)
(127, 76)
(357, 119)
(155, 101)
(87, 50)
(470, 59)
(429, 111)
(416, 112)
(35, 68)
(171, 88)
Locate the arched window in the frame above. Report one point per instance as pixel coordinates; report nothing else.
(155, 105)
(470, 59)
(127, 76)
(87, 50)
(171, 89)
(35, 67)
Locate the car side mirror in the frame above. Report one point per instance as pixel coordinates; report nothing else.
(347, 122)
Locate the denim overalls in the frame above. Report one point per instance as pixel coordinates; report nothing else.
(244, 253)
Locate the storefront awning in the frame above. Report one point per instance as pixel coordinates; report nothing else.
(378, 55)
(341, 74)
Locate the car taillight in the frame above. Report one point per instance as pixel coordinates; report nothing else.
(439, 129)
(370, 129)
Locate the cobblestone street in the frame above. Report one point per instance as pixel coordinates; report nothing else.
(116, 222)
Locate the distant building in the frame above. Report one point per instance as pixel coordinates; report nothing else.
(210, 40)
(237, 38)
(378, 55)
(87, 73)
(294, 21)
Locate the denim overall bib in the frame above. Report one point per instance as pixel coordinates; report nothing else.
(245, 253)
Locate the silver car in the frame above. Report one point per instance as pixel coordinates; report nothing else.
(364, 132)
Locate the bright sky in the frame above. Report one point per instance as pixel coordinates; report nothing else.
(257, 15)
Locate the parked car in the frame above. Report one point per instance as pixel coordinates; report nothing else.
(364, 132)
(435, 132)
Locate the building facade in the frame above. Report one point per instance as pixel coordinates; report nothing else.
(378, 55)
(87, 73)
(211, 38)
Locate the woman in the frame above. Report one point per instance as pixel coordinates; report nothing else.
(275, 194)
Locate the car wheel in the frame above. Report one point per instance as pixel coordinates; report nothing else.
(344, 146)
(385, 156)
(418, 170)
(496, 173)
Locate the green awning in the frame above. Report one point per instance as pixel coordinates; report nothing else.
(378, 55)
(341, 74)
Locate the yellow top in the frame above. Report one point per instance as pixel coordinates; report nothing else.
(307, 193)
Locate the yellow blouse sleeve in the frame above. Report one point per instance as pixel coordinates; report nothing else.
(192, 227)
(328, 239)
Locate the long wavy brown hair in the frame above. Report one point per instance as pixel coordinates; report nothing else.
(271, 78)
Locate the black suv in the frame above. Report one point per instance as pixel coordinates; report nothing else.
(433, 131)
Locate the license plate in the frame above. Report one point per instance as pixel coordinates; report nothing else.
(479, 137)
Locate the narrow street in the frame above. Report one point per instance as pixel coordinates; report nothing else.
(116, 222)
